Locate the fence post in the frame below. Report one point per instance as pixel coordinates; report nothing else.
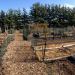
(2, 50)
(53, 33)
(14, 35)
(42, 47)
(37, 30)
(35, 50)
(44, 51)
(73, 30)
(55, 28)
(1, 54)
(67, 35)
(59, 67)
(46, 65)
(31, 42)
(6, 45)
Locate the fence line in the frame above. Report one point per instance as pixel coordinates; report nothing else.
(4, 45)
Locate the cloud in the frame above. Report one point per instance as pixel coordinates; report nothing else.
(67, 5)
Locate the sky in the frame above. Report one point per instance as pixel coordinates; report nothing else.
(5, 5)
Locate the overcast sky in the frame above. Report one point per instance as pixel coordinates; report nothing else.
(15, 4)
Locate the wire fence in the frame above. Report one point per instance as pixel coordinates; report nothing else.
(51, 36)
(41, 53)
(50, 69)
(4, 44)
(54, 29)
(40, 42)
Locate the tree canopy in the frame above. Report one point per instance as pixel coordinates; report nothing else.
(39, 13)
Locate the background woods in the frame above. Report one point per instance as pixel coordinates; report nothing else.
(52, 15)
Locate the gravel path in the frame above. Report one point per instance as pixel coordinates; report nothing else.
(20, 59)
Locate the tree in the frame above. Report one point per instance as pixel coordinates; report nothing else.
(49, 14)
(24, 16)
(69, 17)
(19, 18)
(15, 17)
(10, 18)
(6, 19)
(73, 16)
(2, 18)
(38, 13)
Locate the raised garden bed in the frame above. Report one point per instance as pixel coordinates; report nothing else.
(55, 51)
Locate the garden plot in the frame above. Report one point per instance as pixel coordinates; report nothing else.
(67, 67)
(55, 51)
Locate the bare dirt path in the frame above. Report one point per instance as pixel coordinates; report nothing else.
(20, 59)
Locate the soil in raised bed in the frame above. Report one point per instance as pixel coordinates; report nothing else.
(67, 67)
(56, 52)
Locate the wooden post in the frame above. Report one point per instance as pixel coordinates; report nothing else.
(5, 28)
(35, 50)
(45, 47)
